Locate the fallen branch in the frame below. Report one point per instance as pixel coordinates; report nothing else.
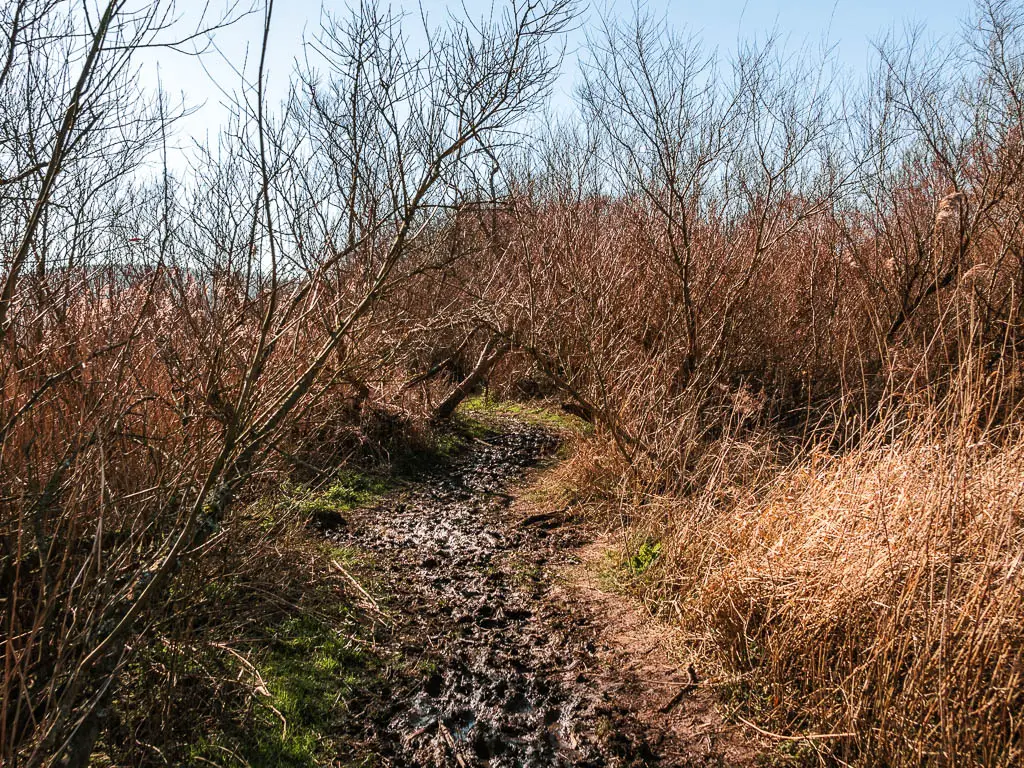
(450, 740)
(690, 686)
(804, 737)
(362, 591)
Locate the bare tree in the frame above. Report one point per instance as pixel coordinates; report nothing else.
(237, 304)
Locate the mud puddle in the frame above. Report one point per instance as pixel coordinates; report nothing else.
(494, 668)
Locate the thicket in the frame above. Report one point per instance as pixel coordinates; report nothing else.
(789, 301)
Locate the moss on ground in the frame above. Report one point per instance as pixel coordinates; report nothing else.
(280, 699)
(261, 679)
(482, 409)
(310, 671)
(349, 490)
(303, 676)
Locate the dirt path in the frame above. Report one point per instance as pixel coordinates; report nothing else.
(497, 663)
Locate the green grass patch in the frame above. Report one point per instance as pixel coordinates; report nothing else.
(257, 678)
(623, 571)
(548, 415)
(309, 671)
(449, 441)
(448, 445)
(643, 558)
(349, 490)
(349, 557)
(468, 426)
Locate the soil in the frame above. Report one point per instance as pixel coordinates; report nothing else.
(506, 655)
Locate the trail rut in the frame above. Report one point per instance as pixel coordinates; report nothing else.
(496, 665)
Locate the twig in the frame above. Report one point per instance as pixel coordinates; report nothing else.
(420, 731)
(691, 685)
(804, 737)
(261, 684)
(450, 740)
(359, 586)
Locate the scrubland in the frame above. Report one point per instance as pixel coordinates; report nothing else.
(787, 297)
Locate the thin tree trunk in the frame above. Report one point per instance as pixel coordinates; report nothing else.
(494, 350)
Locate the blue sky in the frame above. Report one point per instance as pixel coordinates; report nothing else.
(849, 25)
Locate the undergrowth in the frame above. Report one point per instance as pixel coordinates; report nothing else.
(270, 670)
(866, 604)
(308, 672)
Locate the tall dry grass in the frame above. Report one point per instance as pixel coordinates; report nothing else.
(792, 309)
(876, 593)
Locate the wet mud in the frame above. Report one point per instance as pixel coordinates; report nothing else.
(495, 667)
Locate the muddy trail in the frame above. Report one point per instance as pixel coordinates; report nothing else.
(494, 665)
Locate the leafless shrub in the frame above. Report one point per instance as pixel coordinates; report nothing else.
(174, 342)
(792, 308)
